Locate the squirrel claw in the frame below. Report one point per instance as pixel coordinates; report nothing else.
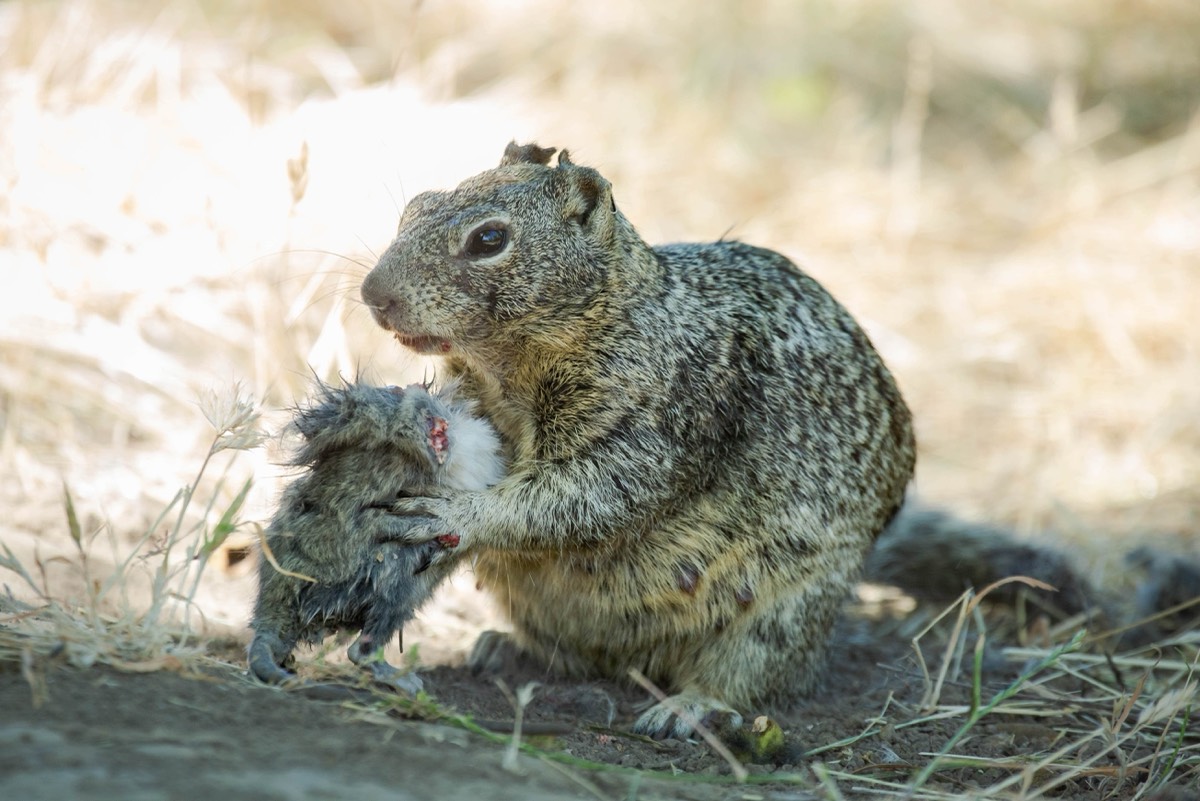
(405, 530)
(425, 506)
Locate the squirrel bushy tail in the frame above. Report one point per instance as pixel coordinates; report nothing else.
(935, 556)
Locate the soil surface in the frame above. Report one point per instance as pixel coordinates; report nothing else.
(104, 734)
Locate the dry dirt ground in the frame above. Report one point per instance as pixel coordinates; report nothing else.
(210, 731)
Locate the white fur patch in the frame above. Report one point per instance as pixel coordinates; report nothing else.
(476, 460)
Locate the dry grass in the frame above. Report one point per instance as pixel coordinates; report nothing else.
(1007, 194)
(1129, 725)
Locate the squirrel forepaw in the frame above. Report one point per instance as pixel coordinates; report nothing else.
(418, 521)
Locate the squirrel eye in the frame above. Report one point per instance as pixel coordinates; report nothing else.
(487, 240)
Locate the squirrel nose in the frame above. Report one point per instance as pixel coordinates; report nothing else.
(372, 290)
(374, 293)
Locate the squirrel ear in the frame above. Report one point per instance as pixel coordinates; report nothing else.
(526, 154)
(587, 197)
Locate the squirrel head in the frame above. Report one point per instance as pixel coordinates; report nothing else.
(522, 250)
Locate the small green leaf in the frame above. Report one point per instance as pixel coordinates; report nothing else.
(72, 518)
(227, 524)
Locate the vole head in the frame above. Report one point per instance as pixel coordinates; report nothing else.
(361, 418)
(521, 249)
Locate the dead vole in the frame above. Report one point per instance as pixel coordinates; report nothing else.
(363, 447)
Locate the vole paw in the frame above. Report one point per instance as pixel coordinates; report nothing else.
(406, 682)
(363, 654)
(265, 657)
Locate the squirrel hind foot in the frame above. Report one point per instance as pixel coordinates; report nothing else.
(678, 716)
(501, 653)
(496, 652)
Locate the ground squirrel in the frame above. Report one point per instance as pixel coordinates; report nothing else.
(703, 442)
(363, 447)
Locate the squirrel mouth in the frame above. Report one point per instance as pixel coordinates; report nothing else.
(424, 344)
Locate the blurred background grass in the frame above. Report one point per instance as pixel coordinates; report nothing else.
(1007, 194)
